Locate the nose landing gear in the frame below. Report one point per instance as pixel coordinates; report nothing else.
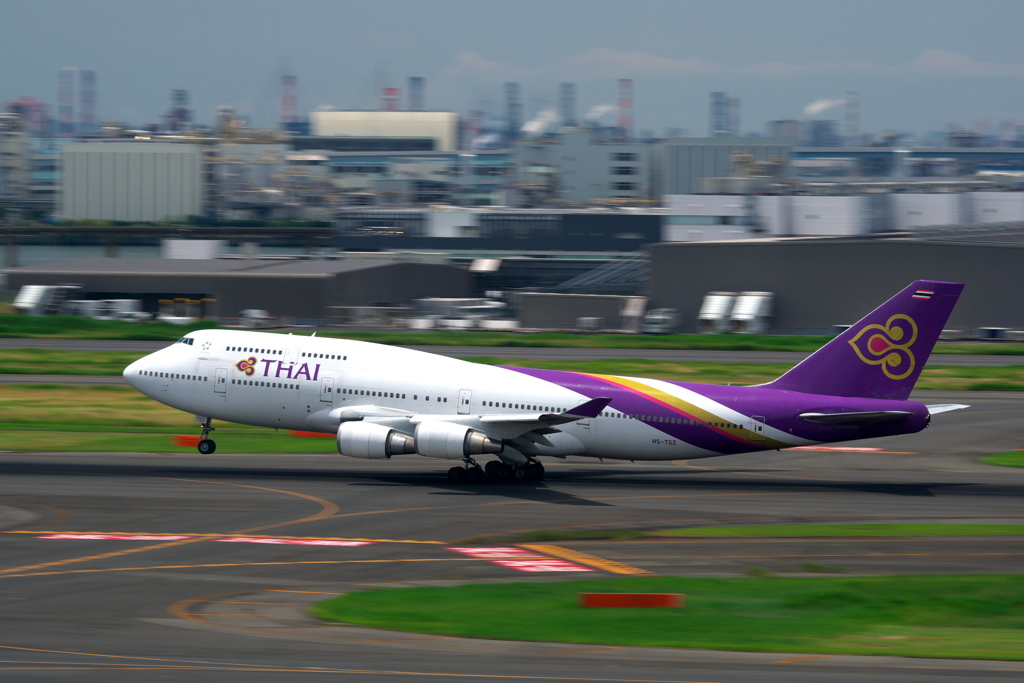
(206, 445)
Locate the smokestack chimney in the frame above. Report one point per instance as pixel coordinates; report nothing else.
(626, 108)
(289, 99)
(567, 104)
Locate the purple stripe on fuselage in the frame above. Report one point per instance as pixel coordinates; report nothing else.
(781, 410)
(629, 402)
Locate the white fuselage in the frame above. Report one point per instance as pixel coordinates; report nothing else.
(306, 383)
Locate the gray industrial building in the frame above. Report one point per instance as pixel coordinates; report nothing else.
(819, 283)
(682, 163)
(131, 181)
(295, 290)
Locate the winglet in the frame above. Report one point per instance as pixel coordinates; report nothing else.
(591, 408)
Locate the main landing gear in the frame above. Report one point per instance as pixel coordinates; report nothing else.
(206, 445)
(496, 470)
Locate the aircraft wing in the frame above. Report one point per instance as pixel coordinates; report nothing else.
(504, 426)
(591, 408)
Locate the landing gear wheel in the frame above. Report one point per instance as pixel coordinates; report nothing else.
(456, 474)
(492, 467)
(535, 471)
(539, 471)
(503, 472)
(520, 473)
(474, 475)
(207, 446)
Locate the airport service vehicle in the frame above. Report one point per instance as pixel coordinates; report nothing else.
(382, 401)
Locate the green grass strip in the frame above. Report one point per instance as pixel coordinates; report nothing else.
(1011, 459)
(973, 616)
(68, 327)
(767, 531)
(850, 530)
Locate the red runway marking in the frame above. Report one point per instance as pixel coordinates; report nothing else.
(289, 541)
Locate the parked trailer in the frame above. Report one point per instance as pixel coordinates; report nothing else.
(752, 313)
(713, 317)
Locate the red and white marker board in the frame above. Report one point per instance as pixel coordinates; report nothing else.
(522, 560)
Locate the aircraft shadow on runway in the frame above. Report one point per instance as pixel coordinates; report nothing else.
(539, 491)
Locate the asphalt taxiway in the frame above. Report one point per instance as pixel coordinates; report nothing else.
(151, 566)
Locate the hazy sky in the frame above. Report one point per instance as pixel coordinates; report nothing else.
(918, 64)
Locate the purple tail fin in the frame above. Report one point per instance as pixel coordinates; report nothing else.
(883, 354)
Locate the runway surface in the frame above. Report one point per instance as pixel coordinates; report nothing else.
(127, 567)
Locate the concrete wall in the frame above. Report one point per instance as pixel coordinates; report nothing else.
(563, 310)
(814, 215)
(819, 284)
(997, 207)
(131, 181)
(910, 210)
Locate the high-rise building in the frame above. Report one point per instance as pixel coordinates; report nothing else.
(718, 121)
(87, 102)
(567, 104)
(514, 110)
(823, 133)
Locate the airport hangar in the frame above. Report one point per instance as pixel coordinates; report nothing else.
(298, 291)
(822, 282)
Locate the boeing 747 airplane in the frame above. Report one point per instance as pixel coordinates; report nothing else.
(381, 401)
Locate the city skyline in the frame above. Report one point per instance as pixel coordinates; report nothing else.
(918, 65)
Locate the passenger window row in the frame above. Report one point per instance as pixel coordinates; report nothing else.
(247, 349)
(521, 406)
(268, 385)
(385, 394)
(172, 375)
(326, 356)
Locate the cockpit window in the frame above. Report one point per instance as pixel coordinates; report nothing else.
(185, 340)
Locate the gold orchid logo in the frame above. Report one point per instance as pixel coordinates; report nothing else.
(888, 345)
(247, 366)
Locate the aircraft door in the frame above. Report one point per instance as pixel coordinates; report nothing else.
(291, 354)
(220, 381)
(327, 389)
(465, 401)
(757, 425)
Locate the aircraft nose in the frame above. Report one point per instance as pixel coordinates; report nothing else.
(131, 372)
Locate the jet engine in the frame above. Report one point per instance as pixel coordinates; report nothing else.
(369, 440)
(453, 441)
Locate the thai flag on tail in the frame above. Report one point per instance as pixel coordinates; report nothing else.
(923, 294)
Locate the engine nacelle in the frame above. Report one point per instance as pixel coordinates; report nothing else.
(369, 440)
(452, 441)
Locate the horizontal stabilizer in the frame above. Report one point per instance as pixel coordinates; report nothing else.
(945, 408)
(857, 419)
